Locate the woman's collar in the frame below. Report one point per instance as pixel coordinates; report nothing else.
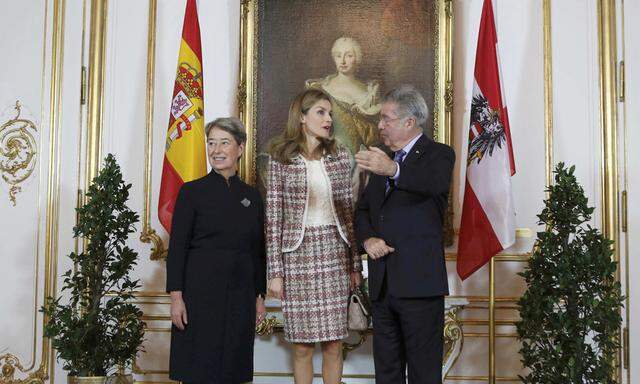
(232, 178)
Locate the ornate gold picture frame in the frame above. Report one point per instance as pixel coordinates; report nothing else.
(286, 46)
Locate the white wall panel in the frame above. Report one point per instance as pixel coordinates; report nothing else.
(631, 123)
(519, 25)
(124, 127)
(38, 228)
(23, 79)
(576, 93)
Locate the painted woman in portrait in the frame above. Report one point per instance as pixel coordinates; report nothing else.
(355, 103)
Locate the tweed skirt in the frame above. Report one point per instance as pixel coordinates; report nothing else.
(316, 287)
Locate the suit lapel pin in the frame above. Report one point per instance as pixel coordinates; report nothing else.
(246, 202)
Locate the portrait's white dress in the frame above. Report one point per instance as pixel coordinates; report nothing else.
(354, 121)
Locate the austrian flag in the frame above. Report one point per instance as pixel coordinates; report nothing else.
(488, 217)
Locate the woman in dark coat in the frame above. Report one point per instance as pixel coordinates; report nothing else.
(216, 267)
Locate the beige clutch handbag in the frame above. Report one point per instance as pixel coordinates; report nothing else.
(359, 312)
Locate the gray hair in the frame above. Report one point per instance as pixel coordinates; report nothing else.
(231, 125)
(357, 50)
(410, 103)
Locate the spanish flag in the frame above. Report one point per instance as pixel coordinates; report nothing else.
(184, 156)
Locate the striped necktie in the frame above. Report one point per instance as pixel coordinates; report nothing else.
(398, 158)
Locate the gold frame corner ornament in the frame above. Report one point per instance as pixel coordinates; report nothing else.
(18, 151)
(10, 363)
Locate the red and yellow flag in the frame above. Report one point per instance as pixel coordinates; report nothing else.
(184, 157)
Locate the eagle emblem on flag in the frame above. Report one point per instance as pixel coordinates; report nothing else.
(487, 130)
(487, 222)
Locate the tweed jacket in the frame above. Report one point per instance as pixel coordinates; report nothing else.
(286, 207)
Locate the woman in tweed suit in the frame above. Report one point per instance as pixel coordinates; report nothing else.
(311, 253)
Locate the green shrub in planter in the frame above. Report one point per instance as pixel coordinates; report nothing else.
(94, 326)
(570, 313)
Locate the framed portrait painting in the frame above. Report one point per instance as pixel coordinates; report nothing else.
(355, 51)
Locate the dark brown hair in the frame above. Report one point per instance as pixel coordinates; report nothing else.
(292, 140)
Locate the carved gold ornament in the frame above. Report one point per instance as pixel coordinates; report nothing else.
(10, 363)
(453, 339)
(158, 250)
(18, 152)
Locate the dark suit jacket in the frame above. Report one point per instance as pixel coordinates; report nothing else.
(410, 219)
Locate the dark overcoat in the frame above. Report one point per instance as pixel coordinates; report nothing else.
(216, 258)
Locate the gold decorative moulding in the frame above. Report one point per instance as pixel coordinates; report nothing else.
(18, 152)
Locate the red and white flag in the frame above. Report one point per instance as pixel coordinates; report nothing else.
(488, 217)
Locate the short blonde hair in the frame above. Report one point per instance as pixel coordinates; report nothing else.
(357, 50)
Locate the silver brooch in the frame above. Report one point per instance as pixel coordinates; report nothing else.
(246, 202)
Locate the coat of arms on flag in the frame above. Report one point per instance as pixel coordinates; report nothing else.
(486, 131)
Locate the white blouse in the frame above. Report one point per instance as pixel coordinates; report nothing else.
(319, 206)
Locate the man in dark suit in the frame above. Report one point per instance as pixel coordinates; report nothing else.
(399, 223)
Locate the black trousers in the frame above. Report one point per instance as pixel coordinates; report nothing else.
(408, 333)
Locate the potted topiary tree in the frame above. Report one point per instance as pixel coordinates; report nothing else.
(97, 330)
(570, 313)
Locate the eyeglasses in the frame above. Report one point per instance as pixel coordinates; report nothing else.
(387, 121)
